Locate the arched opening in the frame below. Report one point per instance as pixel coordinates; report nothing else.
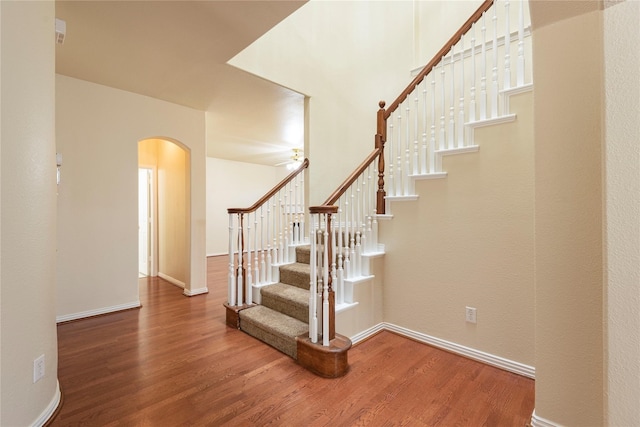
(165, 238)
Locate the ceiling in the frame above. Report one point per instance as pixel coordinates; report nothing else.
(177, 51)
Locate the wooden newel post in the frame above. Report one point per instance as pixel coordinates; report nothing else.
(331, 293)
(381, 138)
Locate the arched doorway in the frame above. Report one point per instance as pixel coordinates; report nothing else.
(164, 164)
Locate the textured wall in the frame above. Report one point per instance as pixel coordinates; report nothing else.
(28, 201)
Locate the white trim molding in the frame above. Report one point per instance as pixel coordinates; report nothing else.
(194, 292)
(471, 353)
(171, 280)
(537, 421)
(50, 409)
(98, 311)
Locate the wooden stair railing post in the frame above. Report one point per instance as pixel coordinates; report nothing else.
(381, 138)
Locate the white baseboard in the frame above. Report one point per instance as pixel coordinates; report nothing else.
(537, 421)
(367, 333)
(97, 311)
(50, 409)
(171, 280)
(218, 254)
(489, 359)
(194, 292)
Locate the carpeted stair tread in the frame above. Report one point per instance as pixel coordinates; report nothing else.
(303, 254)
(276, 329)
(287, 299)
(296, 274)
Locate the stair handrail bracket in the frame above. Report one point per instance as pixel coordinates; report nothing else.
(262, 237)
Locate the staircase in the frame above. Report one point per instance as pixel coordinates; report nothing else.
(284, 312)
(300, 289)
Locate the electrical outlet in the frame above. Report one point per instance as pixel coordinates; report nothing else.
(38, 368)
(470, 314)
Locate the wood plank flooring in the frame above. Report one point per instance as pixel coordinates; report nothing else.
(174, 362)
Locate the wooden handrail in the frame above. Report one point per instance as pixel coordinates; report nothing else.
(274, 190)
(347, 183)
(438, 56)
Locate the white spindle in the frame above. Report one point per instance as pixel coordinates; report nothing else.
(240, 277)
(232, 279)
(269, 241)
(521, 44)
(399, 171)
(416, 132)
(325, 288)
(313, 283)
(452, 103)
(460, 124)
(442, 141)
(407, 154)
(483, 72)
(263, 267)
(494, 71)
(391, 184)
(472, 91)
(249, 281)
(507, 48)
(423, 153)
(432, 141)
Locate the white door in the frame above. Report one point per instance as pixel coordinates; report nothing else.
(144, 220)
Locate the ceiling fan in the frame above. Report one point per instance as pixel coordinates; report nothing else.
(295, 161)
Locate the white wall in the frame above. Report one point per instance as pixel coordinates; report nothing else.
(622, 233)
(233, 185)
(468, 241)
(345, 56)
(98, 129)
(568, 114)
(28, 213)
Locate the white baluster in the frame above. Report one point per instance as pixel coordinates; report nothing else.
(423, 154)
(240, 278)
(340, 244)
(391, 182)
(442, 141)
(263, 267)
(507, 48)
(231, 293)
(399, 172)
(256, 266)
(416, 171)
(432, 141)
(407, 154)
(352, 234)
(339, 292)
(345, 244)
(325, 290)
(460, 130)
(472, 92)
(313, 283)
(452, 103)
(270, 259)
(249, 283)
(483, 72)
(494, 71)
(520, 79)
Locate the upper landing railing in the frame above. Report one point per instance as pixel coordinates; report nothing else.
(457, 90)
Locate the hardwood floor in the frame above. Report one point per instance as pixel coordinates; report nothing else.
(174, 362)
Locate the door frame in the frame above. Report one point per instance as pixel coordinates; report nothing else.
(153, 220)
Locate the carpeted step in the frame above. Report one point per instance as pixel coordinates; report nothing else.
(274, 328)
(303, 254)
(296, 274)
(287, 299)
